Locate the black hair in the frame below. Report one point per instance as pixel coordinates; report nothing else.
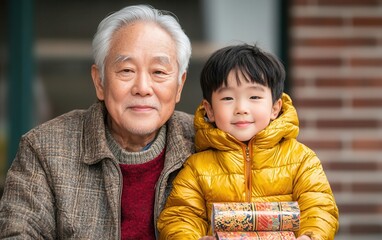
(255, 65)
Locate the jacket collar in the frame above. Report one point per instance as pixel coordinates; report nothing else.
(94, 138)
(179, 141)
(284, 127)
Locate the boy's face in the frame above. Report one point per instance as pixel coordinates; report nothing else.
(244, 110)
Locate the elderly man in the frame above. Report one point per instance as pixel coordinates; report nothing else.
(105, 172)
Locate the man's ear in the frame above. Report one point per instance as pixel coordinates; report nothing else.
(180, 87)
(276, 108)
(210, 113)
(97, 81)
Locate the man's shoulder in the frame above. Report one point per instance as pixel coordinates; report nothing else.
(66, 120)
(183, 116)
(70, 123)
(181, 120)
(180, 132)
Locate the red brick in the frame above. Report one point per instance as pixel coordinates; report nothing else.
(327, 144)
(319, 62)
(347, 2)
(367, 21)
(336, 2)
(335, 42)
(360, 208)
(360, 228)
(348, 123)
(367, 187)
(317, 21)
(368, 62)
(367, 144)
(299, 82)
(317, 103)
(354, 166)
(300, 2)
(336, 187)
(364, 103)
(349, 82)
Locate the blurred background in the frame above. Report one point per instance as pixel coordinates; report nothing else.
(332, 50)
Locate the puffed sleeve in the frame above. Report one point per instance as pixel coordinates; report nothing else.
(319, 212)
(185, 215)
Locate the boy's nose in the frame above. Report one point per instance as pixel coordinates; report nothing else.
(241, 109)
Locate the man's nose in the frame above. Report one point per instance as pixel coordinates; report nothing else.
(142, 85)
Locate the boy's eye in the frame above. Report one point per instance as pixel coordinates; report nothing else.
(255, 97)
(226, 98)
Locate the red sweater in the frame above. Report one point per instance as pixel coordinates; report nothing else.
(138, 195)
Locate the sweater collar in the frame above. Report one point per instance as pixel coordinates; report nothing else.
(147, 154)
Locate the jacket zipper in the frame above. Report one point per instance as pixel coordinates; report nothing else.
(248, 177)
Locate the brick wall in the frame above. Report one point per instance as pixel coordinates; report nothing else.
(336, 74)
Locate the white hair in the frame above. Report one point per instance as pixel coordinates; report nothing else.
(131, 14)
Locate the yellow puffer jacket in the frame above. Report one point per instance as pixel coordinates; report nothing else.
(273, 167)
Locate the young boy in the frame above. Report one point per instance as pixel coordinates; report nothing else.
(246, 130)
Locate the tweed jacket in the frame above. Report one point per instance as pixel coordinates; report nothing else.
(65, 183)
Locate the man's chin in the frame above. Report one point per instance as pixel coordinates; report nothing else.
(143, 128)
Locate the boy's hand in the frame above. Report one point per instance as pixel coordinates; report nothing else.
(303, 237)
(207, 238)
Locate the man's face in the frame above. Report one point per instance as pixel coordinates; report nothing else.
(141, 84)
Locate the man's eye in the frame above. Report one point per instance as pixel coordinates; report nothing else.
(158, 72)
(126, 70)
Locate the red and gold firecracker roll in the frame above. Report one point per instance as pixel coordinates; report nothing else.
(258, 216)
(283, 235)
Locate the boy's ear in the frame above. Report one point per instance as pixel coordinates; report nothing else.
(276, 108)
(210, 113)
